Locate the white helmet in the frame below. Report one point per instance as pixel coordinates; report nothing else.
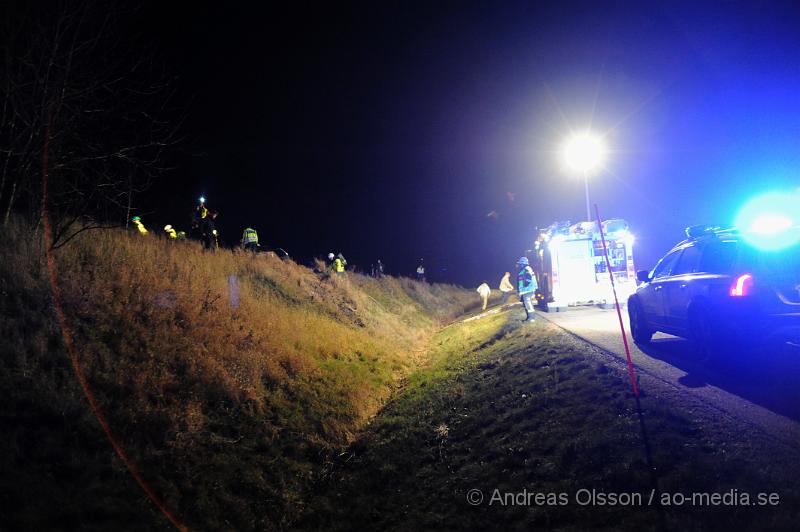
(167, 227)
(330, 256)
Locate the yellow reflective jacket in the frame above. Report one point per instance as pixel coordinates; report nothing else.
(249, 236)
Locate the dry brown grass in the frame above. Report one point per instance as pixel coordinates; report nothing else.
(208, 395)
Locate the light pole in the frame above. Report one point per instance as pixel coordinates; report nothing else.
(586, 153)
(586, 189)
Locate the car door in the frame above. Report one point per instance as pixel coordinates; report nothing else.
(678, 288)
(651, 296)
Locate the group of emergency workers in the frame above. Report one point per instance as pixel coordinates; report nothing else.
(204, 229)
(526, 288)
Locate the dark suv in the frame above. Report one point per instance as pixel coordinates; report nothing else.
(716, 289)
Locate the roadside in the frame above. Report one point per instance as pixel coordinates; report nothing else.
(516, 410)
(754, 387)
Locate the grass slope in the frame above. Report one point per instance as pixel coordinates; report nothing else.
(523, 408)
(231, 380)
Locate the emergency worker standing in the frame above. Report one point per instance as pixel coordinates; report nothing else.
(526, 286)
(250, 240)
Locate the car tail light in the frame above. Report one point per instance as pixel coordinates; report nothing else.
(742, 286)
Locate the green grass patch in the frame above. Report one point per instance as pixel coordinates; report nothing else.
(522, 409)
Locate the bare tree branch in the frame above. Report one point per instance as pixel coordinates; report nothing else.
(112, 124)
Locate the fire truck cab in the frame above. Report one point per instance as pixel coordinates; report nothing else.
(571, 268)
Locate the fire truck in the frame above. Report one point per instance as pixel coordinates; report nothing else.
(571, 269)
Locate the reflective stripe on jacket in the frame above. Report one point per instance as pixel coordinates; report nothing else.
(526, 281)
(249, 236)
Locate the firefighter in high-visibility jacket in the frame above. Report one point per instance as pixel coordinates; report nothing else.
(170, 231)
(339, 264)
(137, 221)
(526, 286)
(199, 220)
(250, 240)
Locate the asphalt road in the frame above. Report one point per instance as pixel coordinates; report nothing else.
(758, 390)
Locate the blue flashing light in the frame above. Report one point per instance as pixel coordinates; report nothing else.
(771, 222)
(202, 199)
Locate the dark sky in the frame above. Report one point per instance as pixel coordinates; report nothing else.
(391, 129)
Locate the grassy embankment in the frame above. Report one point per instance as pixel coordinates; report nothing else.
(230, 413)
(526, 410)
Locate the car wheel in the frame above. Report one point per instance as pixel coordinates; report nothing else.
(640, 331)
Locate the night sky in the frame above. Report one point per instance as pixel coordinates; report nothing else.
(392, 130)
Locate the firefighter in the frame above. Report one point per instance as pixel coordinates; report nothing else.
(209, 231)
(201, 211)
(199, 219)
(421, 271)
(250, 240)
(172, 234)
(137, 221)
(339, 264)
(526, 286)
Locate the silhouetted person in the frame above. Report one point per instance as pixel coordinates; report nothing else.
(210, 232)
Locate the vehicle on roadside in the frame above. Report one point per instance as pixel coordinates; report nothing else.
(719, 290)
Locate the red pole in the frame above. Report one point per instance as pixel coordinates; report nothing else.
(616, 301)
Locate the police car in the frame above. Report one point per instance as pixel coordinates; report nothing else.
(718, 289)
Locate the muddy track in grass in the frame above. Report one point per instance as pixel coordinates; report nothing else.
(513, 409)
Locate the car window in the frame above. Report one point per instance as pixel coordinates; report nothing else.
(782, 266)
(665, 265)
(718, 257)
(690, 258)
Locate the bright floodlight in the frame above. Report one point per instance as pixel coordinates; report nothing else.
(202, 199)
(584, 152)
